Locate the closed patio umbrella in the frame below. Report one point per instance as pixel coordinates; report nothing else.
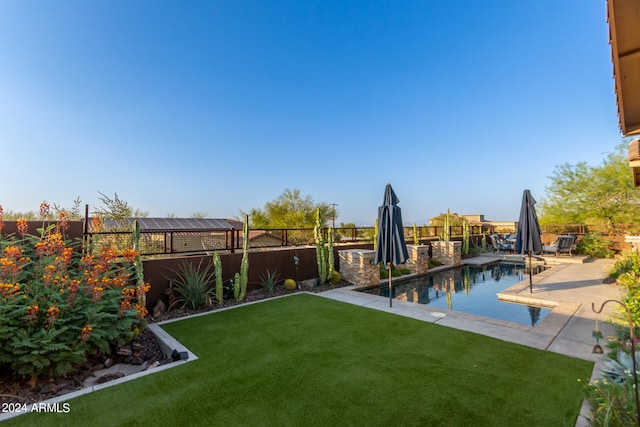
(528, 239)
(391, 247)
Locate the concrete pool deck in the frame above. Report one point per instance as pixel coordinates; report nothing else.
(569, 287)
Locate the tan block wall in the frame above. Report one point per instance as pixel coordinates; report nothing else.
(449, 253)
(356, 267)
(418, 262)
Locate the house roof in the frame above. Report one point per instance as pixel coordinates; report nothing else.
(186, 224)
(624, 36)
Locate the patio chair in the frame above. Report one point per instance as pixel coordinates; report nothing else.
(563, 245)
(499, 245)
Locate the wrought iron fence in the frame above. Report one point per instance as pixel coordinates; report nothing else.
(162, 242)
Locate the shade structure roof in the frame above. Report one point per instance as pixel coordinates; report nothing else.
(624, 35)
(183, 224)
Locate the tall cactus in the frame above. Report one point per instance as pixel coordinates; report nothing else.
(416, 241)
(446, 235)
(236, 286)
(321, 254)
(217, 265)
(330, 260)
(375, 235)
(465, 238)
(244, 265)
(139, 274)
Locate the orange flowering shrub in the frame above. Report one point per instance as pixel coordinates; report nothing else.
(60, 301)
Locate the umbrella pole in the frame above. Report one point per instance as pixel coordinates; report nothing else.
(390, 288)
(530, 274)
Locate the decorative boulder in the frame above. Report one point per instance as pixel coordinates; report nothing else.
(159, 309)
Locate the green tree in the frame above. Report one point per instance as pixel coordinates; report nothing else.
(117, 210)
(602, 195)
(343, 230)
(347, 225)
(290, 210)
(455, 220)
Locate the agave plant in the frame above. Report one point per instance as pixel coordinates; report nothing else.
(268, 280)
(194, 285)
(621, 370)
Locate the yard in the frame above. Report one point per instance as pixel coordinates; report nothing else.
(307, 360)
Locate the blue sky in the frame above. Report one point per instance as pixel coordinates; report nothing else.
(219, 106)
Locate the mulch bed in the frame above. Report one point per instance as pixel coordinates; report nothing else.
(143, 351)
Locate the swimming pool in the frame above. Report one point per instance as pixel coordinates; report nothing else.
(470, 289)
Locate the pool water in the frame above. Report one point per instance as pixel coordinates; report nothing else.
(470, 289)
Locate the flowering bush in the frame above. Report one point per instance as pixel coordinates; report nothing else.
(60, 302)
(612, 403)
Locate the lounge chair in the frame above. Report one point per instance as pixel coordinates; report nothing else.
(499, 245)
(563, 245)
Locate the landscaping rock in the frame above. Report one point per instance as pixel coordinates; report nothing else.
(97, 367)
(108, 377)
(309, 284)
(124, 351)
(159, 309)
(50, 388)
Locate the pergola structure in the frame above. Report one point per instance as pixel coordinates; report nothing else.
(624, 36)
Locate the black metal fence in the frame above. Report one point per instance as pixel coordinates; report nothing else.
(163, 242)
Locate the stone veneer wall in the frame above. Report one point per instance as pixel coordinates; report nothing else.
(356, 267)
(449, 253)
(418, 262)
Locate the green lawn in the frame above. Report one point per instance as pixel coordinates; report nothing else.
(307, 360)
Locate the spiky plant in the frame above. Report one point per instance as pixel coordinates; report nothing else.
(446, 234)
(321, 253)
(193, 285)
(217, 267)
(465, 238)
(243, 278)
(269, 280)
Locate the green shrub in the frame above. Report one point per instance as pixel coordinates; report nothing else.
(290, 284)
(628, 262)
(60, 301)
(269, 280)
(611, 404)
(194, 286)
(405, 271)
(434, 263)
(595, 245)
